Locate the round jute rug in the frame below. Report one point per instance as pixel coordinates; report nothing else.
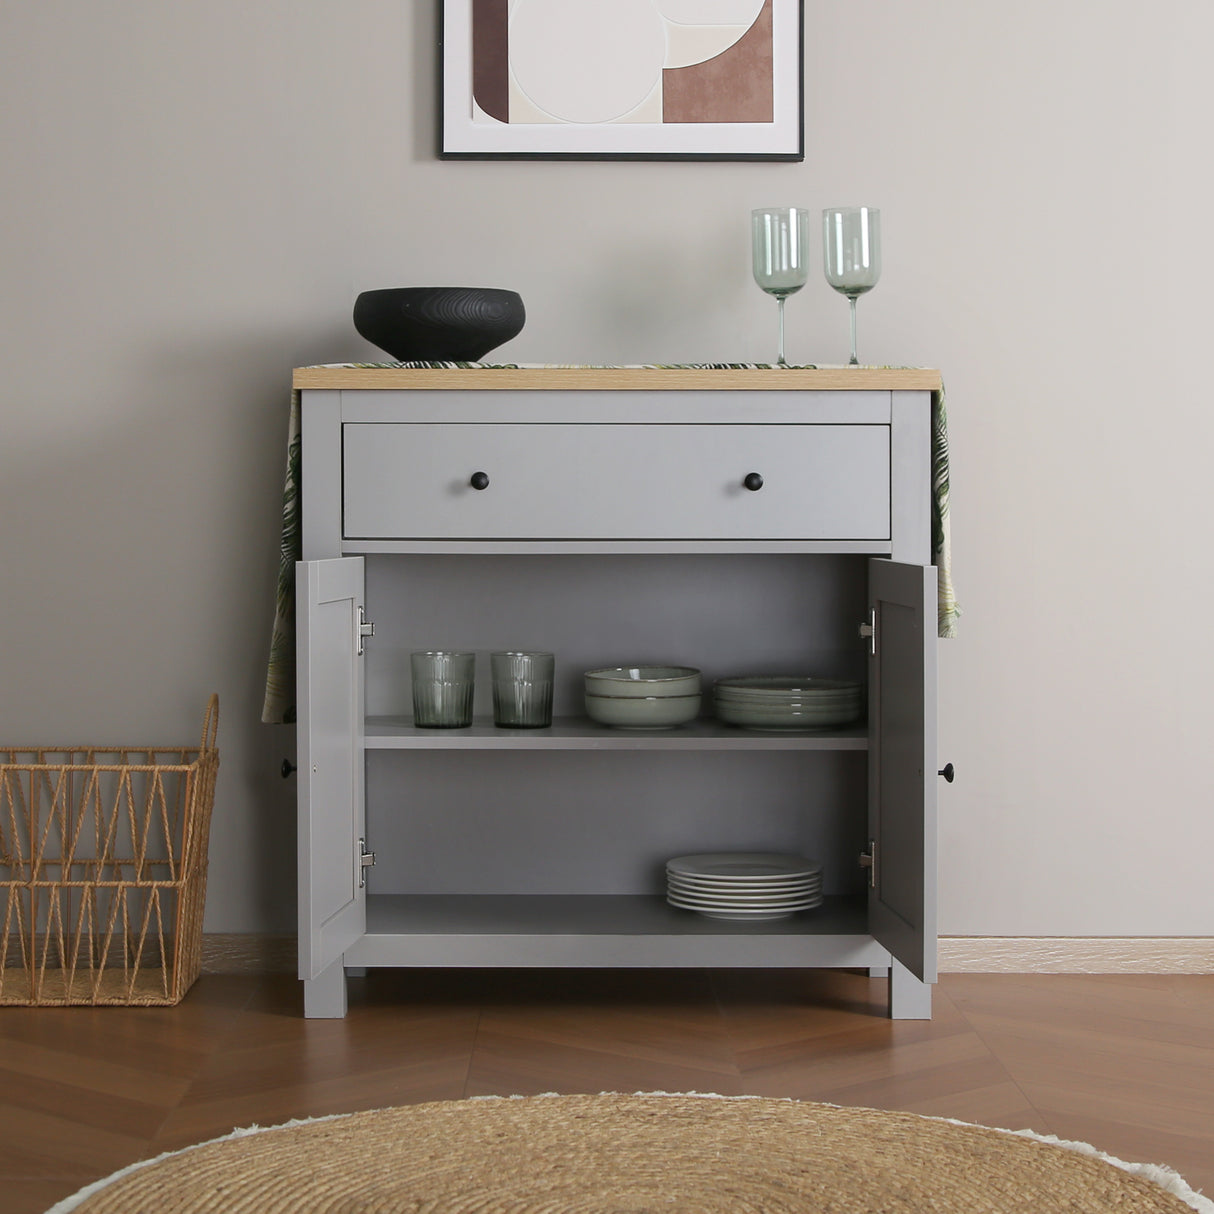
(644, 1152)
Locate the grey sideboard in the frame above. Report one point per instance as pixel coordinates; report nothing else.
(612, 523)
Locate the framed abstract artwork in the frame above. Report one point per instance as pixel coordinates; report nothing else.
(622, 80)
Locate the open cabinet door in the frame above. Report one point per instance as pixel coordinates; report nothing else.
(332, 906)
(902, 763)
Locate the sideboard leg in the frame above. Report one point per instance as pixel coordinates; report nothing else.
(878, 971)
(909, 999)
(325, 995)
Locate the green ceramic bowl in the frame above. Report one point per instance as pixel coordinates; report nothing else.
(643, 681)
(643, 712)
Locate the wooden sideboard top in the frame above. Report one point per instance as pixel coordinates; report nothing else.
(824, 379)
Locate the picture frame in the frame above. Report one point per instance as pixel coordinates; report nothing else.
(621, 80)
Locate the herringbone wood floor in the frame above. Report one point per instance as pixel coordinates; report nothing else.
(1125, 1062)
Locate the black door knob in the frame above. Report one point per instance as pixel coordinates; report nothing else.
(753, 481)
(287, 768)
(947, 772)
(479, 480)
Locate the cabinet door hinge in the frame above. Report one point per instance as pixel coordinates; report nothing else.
(868, 859)
(363, 860)
(365, 628)
(868, 630)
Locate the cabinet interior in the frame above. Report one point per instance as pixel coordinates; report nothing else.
(560, 822)
(726, 614)
(543, 822)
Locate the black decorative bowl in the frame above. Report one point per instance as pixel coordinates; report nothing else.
(438, 324)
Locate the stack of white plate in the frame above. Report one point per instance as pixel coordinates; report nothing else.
(784, 702)
(754, 886)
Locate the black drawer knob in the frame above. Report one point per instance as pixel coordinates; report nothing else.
(753, 481)
(947, 772)
(287, 768)
(479, 480)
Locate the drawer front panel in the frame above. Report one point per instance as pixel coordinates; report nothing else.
(404, 481)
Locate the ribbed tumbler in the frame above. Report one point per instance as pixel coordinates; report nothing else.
(522, 689)
(443, 682)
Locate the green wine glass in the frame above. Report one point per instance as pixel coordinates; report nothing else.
(780, 249)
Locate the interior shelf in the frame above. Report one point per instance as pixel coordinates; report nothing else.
(580, 733)
(520, 930)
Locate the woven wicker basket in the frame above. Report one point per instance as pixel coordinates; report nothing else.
(103, 871)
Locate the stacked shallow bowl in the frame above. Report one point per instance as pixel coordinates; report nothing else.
(643, 697)
(787, 702)
(744, 886)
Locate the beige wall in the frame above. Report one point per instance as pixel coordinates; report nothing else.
(193, 194)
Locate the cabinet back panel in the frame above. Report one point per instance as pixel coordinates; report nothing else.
(724, 614)
(603, 823)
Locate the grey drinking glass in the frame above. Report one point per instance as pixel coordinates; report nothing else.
(851, 248)
(779, 241)
(443, 683)
(522, 689)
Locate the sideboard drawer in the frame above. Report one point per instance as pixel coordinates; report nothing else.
(550, 481)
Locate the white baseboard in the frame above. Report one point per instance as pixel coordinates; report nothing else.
(266, 954)
(1076, 955)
